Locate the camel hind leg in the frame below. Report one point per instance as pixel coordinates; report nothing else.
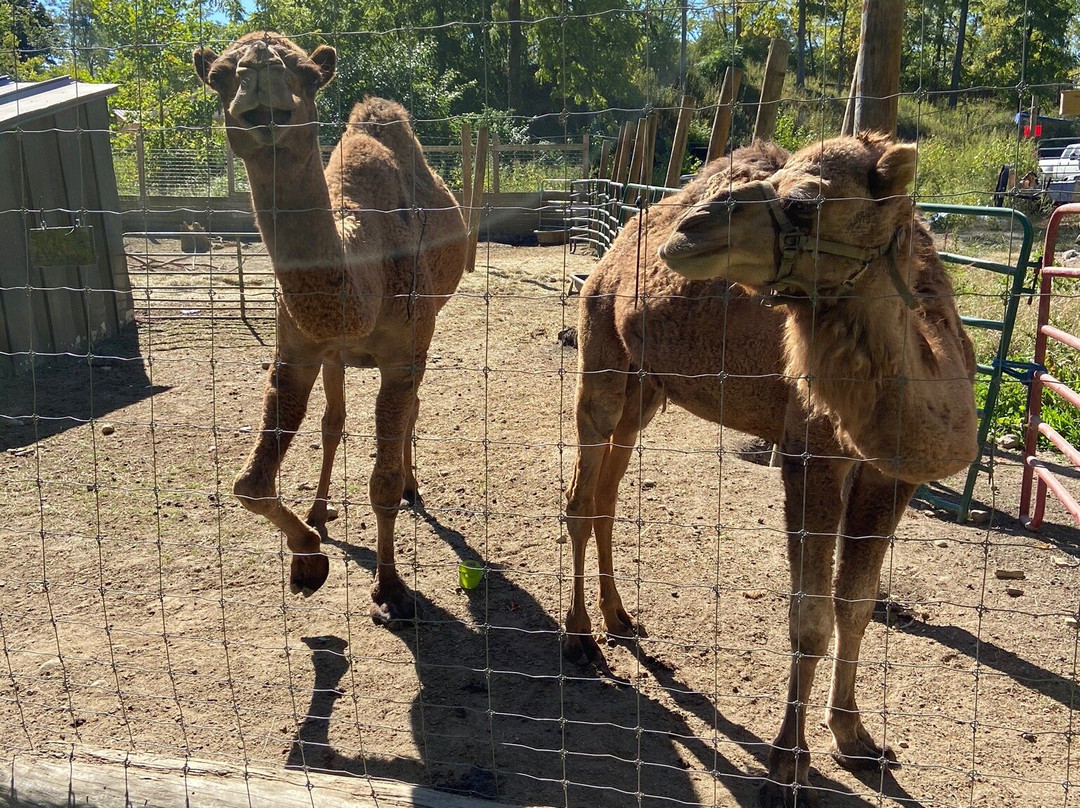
(874, 508)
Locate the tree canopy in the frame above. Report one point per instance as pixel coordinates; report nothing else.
(549, 66)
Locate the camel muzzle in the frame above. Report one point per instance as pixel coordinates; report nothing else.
(263, 98)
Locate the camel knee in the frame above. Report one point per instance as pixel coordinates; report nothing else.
(332, 424)
(255, 491)
(852, 616)
(386, 487)
(810, 625)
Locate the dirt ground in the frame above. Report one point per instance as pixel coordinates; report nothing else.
(141, 608)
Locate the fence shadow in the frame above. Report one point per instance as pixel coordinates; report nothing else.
(68, 391)
(501, 716)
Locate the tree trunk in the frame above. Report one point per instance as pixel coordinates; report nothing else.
(513, 93)
(800, 61)
(958, 57)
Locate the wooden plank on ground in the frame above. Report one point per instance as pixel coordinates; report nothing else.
(122, 780)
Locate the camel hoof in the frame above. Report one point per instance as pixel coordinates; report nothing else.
(581, 649)
(395, 610)
(308, 573)
(863, 756)
(625, 628)
(774, 795)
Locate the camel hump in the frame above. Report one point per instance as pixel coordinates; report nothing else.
(384, 120)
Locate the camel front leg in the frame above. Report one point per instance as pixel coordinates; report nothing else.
(643, 400)
(288, 387)
(392, 603)
(411, 494)
(333, 421)
(813, 501)
(875, 505)
(600, 404)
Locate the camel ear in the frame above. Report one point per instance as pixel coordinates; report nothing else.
(203, 60)
(325, 58)
(895, 170)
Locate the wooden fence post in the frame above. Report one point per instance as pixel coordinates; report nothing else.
(650, 149)
(477, 200)
(605, 153)
(772, 87)
(495, 164)
(622, 153)
(140, 162)
(466, 164)
(585, 156)
(678, 146)
(725, 106)
(879, 71)
(638, 157)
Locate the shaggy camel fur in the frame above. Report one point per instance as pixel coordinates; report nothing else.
(859, 370)
(365, 253)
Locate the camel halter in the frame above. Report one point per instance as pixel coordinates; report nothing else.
(791, 242)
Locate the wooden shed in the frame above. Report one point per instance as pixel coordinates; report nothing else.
(63, 277)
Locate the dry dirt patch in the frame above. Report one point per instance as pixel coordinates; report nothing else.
(143, 609)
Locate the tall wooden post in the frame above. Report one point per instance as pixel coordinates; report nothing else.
(877, 95)
(678, 146)
(622, 153)
(494, 164)
(476, 199)
(466, 166)
(650, 150)
(639, 148)
(725, 105)
(605, 153)
(772, 87)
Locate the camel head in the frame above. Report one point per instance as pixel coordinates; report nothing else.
(818, 225)
(267, 86)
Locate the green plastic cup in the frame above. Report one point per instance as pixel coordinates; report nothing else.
(469, 574)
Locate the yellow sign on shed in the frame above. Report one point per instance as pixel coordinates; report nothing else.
(1070, 103)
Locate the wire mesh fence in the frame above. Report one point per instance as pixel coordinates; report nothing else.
(147, 614)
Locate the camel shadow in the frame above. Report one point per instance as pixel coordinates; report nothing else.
(501, 715)
(68, 391)
(990, 655)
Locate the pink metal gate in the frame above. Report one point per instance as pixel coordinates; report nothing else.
(1042, 379)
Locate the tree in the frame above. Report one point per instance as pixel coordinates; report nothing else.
(28, 39)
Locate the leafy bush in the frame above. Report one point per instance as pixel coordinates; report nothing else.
(1011, 409)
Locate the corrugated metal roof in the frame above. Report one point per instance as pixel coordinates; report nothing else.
(24, 100)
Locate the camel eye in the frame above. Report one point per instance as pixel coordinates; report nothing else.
(801, 209)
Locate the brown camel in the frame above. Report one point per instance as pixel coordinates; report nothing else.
(858, 368)
(365, 253)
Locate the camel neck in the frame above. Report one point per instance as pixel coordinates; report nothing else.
(895, 379)
(292, 207)
(323, 295)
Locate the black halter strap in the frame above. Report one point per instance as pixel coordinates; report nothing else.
(791, 242)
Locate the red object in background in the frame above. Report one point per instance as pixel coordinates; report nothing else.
(1038, 130)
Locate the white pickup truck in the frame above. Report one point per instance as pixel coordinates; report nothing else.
(1064, 167)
